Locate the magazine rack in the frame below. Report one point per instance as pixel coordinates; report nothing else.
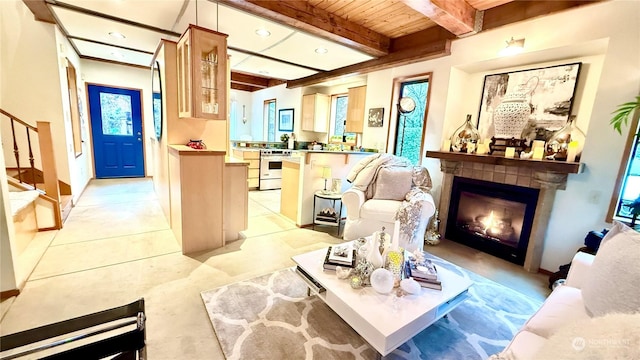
(122, 329)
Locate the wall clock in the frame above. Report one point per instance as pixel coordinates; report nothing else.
(406, 105)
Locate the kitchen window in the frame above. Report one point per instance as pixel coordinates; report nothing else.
(269, 114)
(339, 115)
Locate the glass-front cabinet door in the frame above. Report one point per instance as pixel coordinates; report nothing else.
(202, 74)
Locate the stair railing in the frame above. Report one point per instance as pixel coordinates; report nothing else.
(16, 148)
(47, 158)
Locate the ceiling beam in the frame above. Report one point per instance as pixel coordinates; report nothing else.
(421, 38)
(430, 51)
(522, 10)
(85, 57)
(250, 82)
(40, 10)
(316, 21)
(244, 87)
(456, 16)
(246, 79)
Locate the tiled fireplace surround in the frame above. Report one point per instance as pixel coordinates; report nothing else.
(548, 176)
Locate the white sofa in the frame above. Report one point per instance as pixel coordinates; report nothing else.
(598, 292)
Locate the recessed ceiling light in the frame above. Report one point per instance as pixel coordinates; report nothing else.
(118, 55)
(321, 50)
(263, 32)
(116, 34)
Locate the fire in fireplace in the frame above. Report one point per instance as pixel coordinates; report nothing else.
(492, 217)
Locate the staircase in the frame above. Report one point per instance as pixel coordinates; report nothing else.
(40, 174)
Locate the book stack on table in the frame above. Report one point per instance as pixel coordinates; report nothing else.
(327, 215)
(340, 255)
(424, 272)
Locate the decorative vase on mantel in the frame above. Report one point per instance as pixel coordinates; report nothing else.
(558, 143)
(465, 135)
(511, 116)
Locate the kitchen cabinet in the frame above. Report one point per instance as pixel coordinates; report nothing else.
(236, 199)
(355, 109)
(202, 74)
(315, 112)
(196, 191)
(253, 157)
(289, 193)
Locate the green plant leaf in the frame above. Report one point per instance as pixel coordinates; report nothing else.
(622, 113)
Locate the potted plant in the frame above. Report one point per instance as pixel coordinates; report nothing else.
(622, 113)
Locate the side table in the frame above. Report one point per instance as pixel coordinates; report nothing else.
(333, 197)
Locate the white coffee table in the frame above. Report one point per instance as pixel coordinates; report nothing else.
(384, 321)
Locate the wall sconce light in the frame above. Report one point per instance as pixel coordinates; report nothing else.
(514, 46)
(244, 115)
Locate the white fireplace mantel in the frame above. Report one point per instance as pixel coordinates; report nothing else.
(548, 176)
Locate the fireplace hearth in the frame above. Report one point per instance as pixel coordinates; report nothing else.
(494, 218)
(544, 176)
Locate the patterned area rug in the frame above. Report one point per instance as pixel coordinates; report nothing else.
(270, 317)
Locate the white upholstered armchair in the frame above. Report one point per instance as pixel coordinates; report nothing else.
(388, 188)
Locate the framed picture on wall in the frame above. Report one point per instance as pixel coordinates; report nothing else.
(375, 117)
(285, 120)
(549, 91)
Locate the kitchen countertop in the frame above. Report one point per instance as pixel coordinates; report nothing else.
(335, 152)
(246, 149)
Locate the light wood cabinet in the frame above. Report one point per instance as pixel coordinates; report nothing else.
(254, 165)
(236, 200)
(355, 109)
(315, 112)
(202, 74)
(196, 188)
(289, 193)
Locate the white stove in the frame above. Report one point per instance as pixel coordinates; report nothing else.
(271, 168)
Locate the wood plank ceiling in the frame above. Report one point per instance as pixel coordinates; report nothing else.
(388, 32)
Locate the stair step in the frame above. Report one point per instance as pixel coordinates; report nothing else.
(66, 204)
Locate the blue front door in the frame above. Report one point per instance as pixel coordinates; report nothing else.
(116, 127)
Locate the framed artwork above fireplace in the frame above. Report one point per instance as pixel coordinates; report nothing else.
(549, 91)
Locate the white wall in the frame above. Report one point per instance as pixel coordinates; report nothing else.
(80, 167)
(285, 99)
(610, 76)
(8, 266)
(237, 129)
(30, 82)
(101, 73)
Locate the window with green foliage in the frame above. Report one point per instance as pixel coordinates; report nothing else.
(270, 118)
(116, 114)
(339, 113)
(410, 126)
(628, 202)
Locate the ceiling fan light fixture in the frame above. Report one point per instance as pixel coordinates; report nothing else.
(263, 32)
(514, 46)
(321, 50)
(117, 35)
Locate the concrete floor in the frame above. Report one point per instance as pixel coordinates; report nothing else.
(116, 246)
